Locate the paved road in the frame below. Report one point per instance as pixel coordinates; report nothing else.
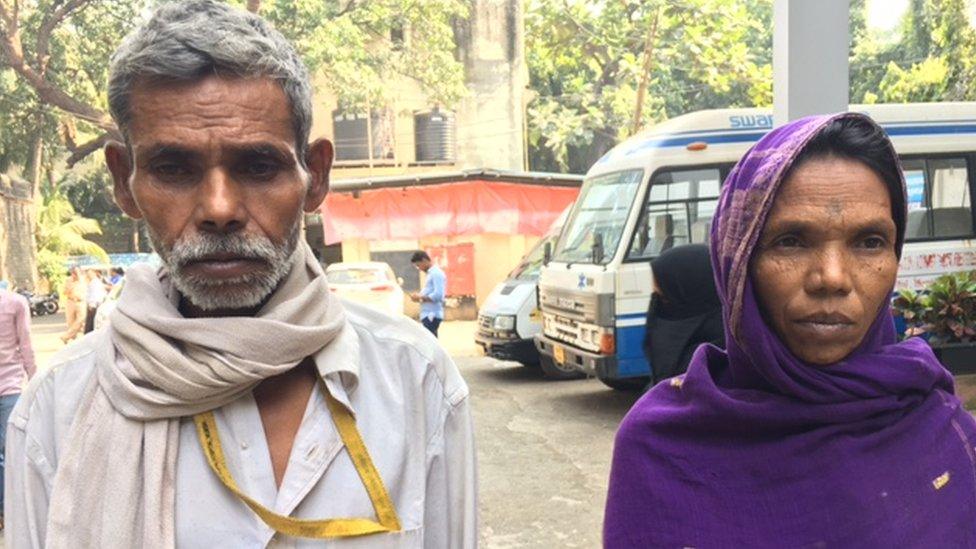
(544, 453)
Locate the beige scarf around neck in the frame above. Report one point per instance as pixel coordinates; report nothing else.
(115, 482)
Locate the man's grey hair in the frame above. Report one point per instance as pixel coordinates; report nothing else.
(188, 40)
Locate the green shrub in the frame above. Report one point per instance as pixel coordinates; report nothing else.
(945, 310)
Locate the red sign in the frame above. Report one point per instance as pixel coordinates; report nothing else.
(457, 261)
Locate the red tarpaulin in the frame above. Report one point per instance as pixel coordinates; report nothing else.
(450, 209)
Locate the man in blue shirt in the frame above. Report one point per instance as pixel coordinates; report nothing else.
(431, 298)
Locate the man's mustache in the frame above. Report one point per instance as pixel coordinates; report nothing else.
(212, 247)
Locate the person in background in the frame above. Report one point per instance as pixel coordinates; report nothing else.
(16, 362)
(118, 273)
(75, 288)
(815, 426)
(431, 298)
(685, 310)
(94, 296)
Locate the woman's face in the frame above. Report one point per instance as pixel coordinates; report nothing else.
(826, 261)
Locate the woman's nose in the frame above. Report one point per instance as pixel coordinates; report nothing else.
(831, 274)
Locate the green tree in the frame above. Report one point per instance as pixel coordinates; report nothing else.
(587, 59)
(62, 232)
(54, 57)
(930, 57)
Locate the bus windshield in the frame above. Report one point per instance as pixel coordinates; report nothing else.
(599, 216)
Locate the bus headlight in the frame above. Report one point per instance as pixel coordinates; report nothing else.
(504, 323)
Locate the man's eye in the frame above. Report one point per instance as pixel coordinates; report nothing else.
(170, 170)
(261, 169)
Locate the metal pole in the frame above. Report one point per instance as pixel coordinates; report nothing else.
(810, 58)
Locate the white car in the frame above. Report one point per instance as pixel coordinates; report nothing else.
(372, 284)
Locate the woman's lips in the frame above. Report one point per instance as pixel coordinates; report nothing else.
(825, 325)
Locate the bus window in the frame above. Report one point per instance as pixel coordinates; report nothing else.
(939, 201)
(679, 210)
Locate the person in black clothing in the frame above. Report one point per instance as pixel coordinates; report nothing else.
(685, 310)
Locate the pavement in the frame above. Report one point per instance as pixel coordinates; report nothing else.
(544, 449)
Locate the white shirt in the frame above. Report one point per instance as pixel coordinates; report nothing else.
(96, 292)
(411, 407)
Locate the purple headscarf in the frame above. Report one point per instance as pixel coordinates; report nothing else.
(754, 448)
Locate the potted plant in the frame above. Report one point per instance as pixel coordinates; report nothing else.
(944, 314)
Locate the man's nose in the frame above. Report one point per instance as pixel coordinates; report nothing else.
(832, 272)
(220, 204)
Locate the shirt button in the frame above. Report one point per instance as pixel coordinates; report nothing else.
(243, 446)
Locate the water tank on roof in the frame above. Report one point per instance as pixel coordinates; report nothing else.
(434, 132)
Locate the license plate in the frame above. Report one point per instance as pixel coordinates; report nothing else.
(559, 354)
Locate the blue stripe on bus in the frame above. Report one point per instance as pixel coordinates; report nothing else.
(683, 141)
(961, 122)
(631, 316)
(730, 136)
(630, 352)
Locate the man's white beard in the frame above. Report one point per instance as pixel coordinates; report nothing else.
(241, 292)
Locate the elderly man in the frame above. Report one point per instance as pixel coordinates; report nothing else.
(234, 401)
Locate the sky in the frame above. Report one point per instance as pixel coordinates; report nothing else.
(885, 14)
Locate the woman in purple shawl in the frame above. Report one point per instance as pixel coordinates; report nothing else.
(816, 427)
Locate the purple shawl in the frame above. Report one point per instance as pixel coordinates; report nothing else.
(753, 448)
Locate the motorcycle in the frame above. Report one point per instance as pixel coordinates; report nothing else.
(41, 305)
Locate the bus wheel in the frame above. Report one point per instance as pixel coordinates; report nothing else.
(631, 384)
(555, 372)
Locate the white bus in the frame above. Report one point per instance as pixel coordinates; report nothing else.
(660, 188)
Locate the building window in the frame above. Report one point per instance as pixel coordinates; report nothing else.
(353, 132)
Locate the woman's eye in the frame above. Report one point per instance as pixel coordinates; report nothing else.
(788, 241)
(874, 242)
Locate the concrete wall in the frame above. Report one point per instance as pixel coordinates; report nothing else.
(491, 119)
(16, 233)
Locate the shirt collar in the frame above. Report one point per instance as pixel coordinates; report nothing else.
(338, 365)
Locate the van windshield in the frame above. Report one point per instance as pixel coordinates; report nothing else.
(600, 213)
(531, 264)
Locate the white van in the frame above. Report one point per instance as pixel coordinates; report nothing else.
(509, 319)
(660, 188)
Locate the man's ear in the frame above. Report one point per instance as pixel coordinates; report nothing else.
(120, 165)
(319, 160)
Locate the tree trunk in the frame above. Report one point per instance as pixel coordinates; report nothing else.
(34, 169)
(645, 73)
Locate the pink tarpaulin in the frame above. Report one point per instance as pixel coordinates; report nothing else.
(450, 209)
